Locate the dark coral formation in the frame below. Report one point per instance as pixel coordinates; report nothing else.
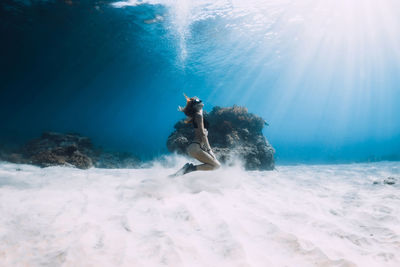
(70, 149)
(233, 133)
(59, 149)
(390, 180)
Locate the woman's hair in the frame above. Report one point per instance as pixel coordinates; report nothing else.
(189, 109)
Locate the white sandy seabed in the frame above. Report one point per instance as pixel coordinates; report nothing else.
(306, 215)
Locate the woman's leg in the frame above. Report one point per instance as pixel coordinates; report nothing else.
(209, 162)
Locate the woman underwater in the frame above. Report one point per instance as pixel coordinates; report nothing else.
(199, 148)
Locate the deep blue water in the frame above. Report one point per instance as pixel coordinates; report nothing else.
(324, 75)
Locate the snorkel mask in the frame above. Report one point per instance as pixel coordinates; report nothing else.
(190, 103)
(196, 101)
(193, 100)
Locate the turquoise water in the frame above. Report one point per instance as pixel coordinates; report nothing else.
(325, 75)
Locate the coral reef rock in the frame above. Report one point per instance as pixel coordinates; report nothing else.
(390, 180)
(53, 149)
(234, 133)
(70, 149)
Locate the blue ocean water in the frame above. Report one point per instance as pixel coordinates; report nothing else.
(325, 75)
